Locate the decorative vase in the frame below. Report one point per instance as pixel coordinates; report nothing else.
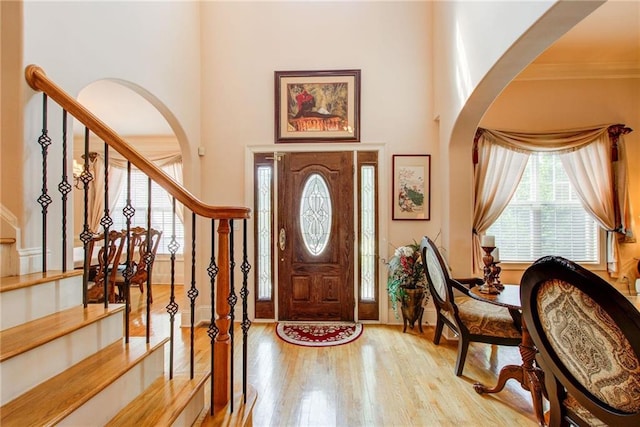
(411, 307)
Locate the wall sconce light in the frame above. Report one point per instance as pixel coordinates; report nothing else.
(78, 170)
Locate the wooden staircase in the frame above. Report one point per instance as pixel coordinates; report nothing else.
(62, 364)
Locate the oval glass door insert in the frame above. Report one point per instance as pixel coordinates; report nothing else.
(315, 214)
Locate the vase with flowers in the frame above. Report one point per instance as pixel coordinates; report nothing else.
(407, 284)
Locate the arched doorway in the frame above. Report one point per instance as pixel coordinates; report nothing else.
(142, 125)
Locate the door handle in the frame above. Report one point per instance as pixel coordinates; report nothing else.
(282, 239)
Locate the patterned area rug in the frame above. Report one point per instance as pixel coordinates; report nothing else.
(318, 334)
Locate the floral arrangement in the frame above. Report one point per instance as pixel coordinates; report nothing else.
(406, 271)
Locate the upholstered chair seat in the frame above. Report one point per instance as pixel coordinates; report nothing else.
(485, 319)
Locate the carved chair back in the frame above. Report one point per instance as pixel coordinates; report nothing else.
(588, 338)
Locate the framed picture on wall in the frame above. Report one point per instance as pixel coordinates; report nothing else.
(411, 187)
(317, 106)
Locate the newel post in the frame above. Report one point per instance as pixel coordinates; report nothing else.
(222, 344)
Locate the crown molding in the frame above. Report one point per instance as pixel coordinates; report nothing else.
(572, 71)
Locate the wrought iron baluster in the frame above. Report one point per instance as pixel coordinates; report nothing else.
(86, 235)
(193, 293)
(106, 223)
(44, 200)
(232, 299)
(148, 257)
(128, 211)
(246, 323)
(64, 188)
(172, 307)
(213, 329)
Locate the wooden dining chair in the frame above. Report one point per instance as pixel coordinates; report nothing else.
(108, 259)
(143, 247)
(470, 319)
(588, 339)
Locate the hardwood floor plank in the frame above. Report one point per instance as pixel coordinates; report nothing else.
(384, 378)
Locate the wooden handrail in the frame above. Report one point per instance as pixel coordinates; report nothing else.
(38, 80)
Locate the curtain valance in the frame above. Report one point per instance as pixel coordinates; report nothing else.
(590, 157)
(560, 141)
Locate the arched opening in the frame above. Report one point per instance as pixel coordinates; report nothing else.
(150, 128)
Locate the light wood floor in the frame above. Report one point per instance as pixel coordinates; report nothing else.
(384, 378)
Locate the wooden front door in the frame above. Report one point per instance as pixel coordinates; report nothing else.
(315, 236)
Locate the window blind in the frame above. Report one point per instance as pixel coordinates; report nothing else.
(161, 210)
(545, 217)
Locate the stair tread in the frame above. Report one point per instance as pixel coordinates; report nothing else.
(9, 283)
(161, 403)
(24, 337)
(54, 399)
(242, 414)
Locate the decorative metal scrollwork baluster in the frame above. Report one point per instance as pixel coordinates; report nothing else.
(213, 329)
(172, 307)
(64, 187)
(192, 293)
(245, 267)
(232, 300)
(44, 200)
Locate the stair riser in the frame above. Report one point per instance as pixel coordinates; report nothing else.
(56, 356)
(192, 412)
(106, 404)
(25, 304)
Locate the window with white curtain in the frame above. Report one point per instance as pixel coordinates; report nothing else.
(161, 210)
(545, 217)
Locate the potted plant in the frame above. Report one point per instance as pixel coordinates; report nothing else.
(407, 284)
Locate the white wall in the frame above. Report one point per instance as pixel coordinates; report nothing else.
(245, 42)
(482, 47)
(152, 45)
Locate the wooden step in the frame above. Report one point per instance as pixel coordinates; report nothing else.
(27, 336)
(28, 297)
(68, 398)
(241, 415)
(60, 340)
(165, 403)
(10, 283)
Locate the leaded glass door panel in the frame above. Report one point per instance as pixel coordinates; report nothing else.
(315, 236)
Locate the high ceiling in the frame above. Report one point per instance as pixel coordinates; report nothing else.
(605, 44)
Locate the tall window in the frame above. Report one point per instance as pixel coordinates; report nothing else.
(264, 193)
(368, 306)
(161, 210)
(264, 232)
(545, 217)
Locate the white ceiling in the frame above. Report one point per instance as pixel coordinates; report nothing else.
(606, 42)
